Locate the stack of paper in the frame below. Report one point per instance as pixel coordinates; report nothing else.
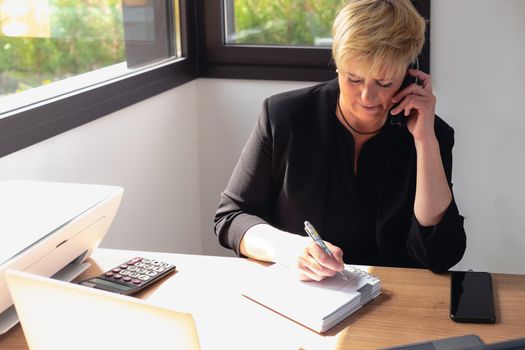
(317, 305)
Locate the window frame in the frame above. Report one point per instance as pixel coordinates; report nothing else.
(32, 124)
(220, 60)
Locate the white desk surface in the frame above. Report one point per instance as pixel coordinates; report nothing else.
(209, 288)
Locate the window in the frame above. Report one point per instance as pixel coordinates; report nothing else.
(270, 39)
(287, 23)
(66, 62)
(45, 41)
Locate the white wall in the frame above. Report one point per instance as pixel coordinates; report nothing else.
(228, 110)
(477, 57)
(151, 150)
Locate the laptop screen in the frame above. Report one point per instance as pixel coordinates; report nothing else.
(62, 316)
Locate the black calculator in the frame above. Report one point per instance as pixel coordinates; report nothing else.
(131, 276)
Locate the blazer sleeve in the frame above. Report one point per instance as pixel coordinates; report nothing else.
(249, 195)
(440, 247)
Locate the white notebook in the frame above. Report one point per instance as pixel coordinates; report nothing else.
(316, 305)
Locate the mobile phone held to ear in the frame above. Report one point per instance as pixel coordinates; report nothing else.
(400, 120)
(471, 298)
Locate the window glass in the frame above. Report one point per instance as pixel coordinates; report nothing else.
(61, 42)
(282, 22)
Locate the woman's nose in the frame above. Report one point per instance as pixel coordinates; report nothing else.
(367, 94)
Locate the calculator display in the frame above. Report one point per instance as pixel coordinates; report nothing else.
(111, 284)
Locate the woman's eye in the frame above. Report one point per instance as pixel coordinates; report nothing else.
(354, 81)
(386, 86)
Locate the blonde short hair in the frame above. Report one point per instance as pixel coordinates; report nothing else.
(387, 35)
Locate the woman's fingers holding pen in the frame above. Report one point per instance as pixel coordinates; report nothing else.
(315, 264)
(337, 253)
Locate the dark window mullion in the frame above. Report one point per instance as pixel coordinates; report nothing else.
(153, 40)
(170, 26)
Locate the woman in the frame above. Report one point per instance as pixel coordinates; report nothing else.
(329, 154)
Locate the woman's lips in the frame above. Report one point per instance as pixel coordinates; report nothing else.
(369, 108)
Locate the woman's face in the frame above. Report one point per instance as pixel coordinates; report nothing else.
(365, 97)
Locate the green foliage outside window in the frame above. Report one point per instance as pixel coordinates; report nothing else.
(84, 36)
(284, 22)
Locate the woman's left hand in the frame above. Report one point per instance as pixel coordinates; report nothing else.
(419, 104)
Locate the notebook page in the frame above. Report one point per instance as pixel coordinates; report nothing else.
(279, 288)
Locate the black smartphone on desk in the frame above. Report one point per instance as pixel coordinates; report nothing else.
(471, 298)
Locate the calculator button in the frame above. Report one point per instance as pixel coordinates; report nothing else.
(144, 277)
(117, 276)
(109, 274)
(148, 267)
(132, 268)
(156, 263)
(136, 281)
(116, 270)
(133, 274)
(140, 264)
(151, 273)
(126, 279)
(166, 265)
(123, 266)
(124, 272)
(146, 261)
(141, 270)
(159, 269)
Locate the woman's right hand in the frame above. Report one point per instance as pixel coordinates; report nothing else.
(266, 243)
(315, 264)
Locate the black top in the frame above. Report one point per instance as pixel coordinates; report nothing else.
(298, 165)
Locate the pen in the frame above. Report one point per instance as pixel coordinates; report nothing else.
(312, 232)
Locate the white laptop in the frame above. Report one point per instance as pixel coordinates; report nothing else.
(59, 315)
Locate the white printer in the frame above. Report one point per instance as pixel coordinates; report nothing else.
(50, 229)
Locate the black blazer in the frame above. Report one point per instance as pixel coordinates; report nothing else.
(298, 165)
